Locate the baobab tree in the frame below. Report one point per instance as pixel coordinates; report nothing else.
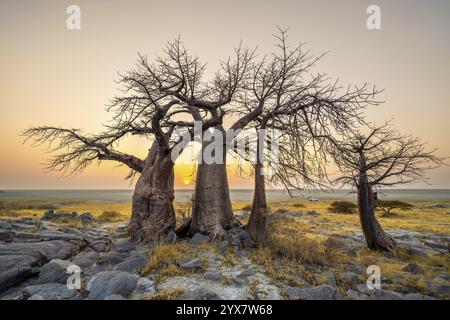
(206, 101)
(379, 158)
(157, 99)
(284, 95)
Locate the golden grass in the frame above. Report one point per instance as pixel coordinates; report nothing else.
(166, 254)
(423, 217)
(171, 294)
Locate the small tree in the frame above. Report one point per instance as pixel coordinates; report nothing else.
(380, 158)
(388, 205)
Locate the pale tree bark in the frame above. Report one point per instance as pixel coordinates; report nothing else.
(212, 210)
(374, 234)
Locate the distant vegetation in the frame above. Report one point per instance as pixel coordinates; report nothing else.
(109, 215)
(388, 205)
(342, 207)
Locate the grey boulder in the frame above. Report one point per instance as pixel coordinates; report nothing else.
(198, 238)
(51, 291)
(55, 271)
(323, 292)
(132, 264)
(107, 283)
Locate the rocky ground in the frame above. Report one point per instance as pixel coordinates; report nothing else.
(35, 256)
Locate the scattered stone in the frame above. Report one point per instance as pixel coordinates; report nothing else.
(413, 268)
(42, 251)
(417, 253)
(6, 236)
(132, 264)
(198, 238)
(439, 288)
(357, 268)
(87, 217)
(312, 213)
(384, 295)
(5, 225)
(124, 245)
(39, 225)
(444, 277)
(213, 276)
(355, 295)
(112, 258)
(189, 264)
(198, 294)
(123, 228)
(86, 258)
(146, 286)
(51, 291)
(349, 277)
(107, 283)
(417, 296)
(14, 276)
(246, 240)
(331, 278)
(114, 297)
(323, 292)
(55, 271)
(100, 246)
(223, 247)
(171, 237)
(48, 215)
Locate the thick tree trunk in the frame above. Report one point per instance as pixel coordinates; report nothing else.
(375, 236)
(153, 214)
(257, 222)
(212, 211)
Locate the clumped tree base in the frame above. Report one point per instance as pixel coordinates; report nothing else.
(153, 214)
(375, 236)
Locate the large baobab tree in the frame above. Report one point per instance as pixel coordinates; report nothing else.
(206, 102)
(380, 157)
(284, 95)
(156, 100)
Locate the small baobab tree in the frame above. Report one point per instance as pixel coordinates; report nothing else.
(285, 95)
(379, 158)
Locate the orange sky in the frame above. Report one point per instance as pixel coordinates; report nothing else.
(50, 75)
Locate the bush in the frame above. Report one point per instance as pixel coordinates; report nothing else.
(388, 205)
(109, 215)
(247, 208)
(343, 207)
(298, 205)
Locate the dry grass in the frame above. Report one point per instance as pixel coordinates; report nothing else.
(171, 294)
(165, 254)
(163, 261)
(110, 216)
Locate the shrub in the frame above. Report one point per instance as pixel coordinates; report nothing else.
(343, 207)
(298, 205)
(247, 208)
(109, 215)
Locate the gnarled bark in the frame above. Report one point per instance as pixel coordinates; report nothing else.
(153, 214)
(212, 211)
(375, 236)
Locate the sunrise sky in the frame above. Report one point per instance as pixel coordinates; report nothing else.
(54, 76)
